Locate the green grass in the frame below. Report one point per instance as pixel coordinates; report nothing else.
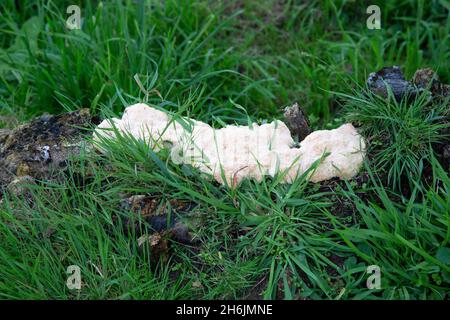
(400, 133)
(205, 59)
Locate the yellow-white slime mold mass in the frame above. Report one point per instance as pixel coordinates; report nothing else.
(234, 153)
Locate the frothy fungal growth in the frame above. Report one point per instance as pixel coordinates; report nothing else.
(234, 153)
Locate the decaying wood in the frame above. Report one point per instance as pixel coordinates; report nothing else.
(297, 122)
(393, 78)
(41, 147)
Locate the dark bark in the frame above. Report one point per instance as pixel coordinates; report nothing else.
(297, 122)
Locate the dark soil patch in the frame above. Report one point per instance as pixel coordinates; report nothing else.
(257, 291)
(154, 224)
